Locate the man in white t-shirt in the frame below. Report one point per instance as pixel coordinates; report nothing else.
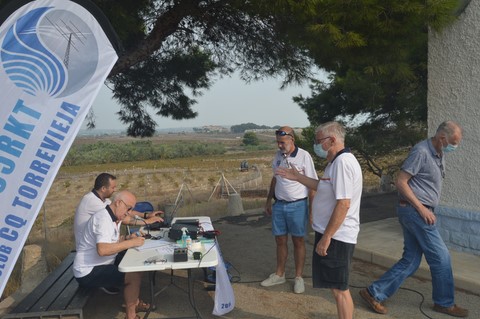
(336, 213)
(95, 263)
(290, 212)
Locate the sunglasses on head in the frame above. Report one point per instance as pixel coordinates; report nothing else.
(282, 133)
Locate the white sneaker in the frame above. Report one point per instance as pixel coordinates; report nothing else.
(299, 287)
(273, 280)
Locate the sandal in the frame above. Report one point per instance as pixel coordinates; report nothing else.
(136, 317)
(142, 306)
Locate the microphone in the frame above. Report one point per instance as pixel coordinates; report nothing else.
(147, 235)
(284, 155)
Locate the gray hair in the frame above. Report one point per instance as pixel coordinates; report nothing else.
(448, 128)
(332, 129)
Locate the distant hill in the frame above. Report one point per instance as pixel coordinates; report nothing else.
(103, 132)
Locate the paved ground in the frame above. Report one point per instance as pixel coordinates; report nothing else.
(247, 244)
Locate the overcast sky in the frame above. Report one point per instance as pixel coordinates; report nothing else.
(229, 102)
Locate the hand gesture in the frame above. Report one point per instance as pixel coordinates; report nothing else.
(288, 173)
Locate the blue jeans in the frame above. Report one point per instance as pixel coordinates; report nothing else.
(419, 238)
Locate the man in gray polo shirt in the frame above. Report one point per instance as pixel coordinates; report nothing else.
(419, 185)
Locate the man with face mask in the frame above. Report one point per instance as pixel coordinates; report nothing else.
(419, 185)
(291, 208)
(336, 213)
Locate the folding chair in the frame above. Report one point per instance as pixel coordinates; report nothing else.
(143, 207)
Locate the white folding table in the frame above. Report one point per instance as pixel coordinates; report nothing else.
(162, 251)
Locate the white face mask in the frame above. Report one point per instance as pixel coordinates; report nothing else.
(318, 149)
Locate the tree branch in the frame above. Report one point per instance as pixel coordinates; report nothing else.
(165, 25)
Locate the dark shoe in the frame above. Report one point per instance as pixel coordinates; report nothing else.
(454, 310)
(110, 290)
(375, 305)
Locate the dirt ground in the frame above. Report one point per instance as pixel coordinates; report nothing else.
(247, 244)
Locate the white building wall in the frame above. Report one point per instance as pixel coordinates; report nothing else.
(454, 94)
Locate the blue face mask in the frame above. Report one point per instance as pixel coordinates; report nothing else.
(449, 148)
(318, 149)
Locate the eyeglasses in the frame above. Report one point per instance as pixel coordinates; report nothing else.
(129, 208)
(282, 133)
(154, 260)
(315, 141)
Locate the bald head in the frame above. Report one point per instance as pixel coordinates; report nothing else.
(286, 129)
(285, 139)
(126, 196)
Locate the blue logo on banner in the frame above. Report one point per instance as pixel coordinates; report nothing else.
(49, 52)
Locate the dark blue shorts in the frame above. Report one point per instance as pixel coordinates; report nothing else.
(103, 276)
(333, 270)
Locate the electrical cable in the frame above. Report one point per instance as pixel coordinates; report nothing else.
(420, 306)
(147, 236)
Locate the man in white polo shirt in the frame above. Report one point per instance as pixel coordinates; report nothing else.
(336, 213)
(96, 263)
(290, 212)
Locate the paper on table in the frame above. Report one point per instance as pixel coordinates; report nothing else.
(167, 249)
(151, 243)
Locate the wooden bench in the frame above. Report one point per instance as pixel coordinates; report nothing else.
(57, 296)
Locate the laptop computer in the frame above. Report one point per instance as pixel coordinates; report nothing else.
(167, 220)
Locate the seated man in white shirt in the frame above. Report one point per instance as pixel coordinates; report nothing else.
(98, 246)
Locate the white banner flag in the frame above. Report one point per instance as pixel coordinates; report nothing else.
(54, 57)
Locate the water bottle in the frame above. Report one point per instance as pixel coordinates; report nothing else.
(189, 246)
(184, 237)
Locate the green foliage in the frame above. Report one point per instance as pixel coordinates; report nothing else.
(375, 51)
(161, 82)
(105, 152)
(174, 49)
(377, 54)
(306, 139)
(241, 128)
(250, 138)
